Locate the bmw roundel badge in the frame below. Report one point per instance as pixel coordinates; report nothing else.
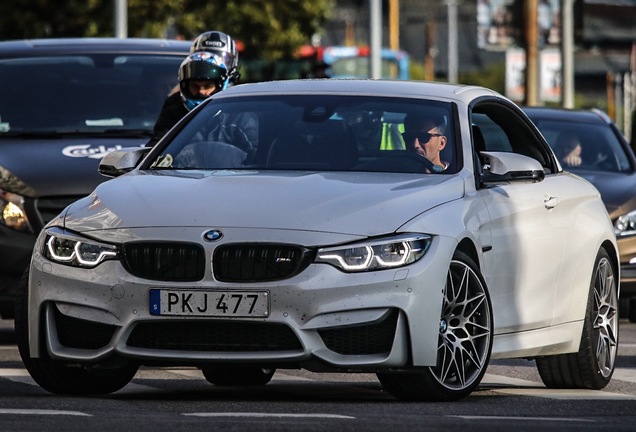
(212, 235)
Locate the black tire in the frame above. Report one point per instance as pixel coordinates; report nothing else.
(593, 365)
(465, 341)
(631, 311)
(237, 375)
(58, 377)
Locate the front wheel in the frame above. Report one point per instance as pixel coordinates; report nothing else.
(464, 344)
(593, 365)
(58, 377)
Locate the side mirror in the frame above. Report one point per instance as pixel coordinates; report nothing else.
(122, 161)
(502, 167)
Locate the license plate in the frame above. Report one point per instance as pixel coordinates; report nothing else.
(209, 303)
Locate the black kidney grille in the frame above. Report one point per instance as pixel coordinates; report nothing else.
(165, 261)
(214, 336)
(259, 262)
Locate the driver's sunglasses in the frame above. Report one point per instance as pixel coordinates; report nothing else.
(422, 137)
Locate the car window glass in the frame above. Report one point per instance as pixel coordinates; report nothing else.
(504, 130)
(599, 148)
(317, 133)
(84, 93)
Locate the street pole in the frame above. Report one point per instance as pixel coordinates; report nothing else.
(452, 41)
(375, 44)
(567, 54)
(532, 52)
(394, 32)
(394, 24)
(121, 19)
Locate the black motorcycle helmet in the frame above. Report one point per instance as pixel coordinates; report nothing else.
(221, 44)
(201, 66)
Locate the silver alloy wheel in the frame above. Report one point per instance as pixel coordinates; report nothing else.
(464, 341)
(605, 326)
(592, 366)
(465, 329)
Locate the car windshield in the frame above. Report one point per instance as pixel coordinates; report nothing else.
(84, 93)
(313, 132)
(585, 147)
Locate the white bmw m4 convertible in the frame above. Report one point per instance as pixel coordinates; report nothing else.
(408, 229)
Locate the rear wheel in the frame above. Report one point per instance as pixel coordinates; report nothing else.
(631, 311)
(58, 377)
(593, 365)
(237, 374)
(465, 341)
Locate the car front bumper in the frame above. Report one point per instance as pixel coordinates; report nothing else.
(363, 321)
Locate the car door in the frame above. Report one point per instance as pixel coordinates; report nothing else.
(527, 223)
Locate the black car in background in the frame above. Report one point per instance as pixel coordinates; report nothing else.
(607, 161)
(64, 104)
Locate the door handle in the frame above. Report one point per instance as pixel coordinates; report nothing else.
(550, 202)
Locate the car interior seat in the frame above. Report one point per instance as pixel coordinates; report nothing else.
(328, 145)
(289, 151)
(334, 145)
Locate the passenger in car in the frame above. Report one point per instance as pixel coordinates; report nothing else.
(568, 150)
(426, 136)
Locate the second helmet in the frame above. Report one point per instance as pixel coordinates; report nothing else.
(221, 44)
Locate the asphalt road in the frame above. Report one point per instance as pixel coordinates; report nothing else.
(511, 397)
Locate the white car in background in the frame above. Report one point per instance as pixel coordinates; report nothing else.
(328, 245)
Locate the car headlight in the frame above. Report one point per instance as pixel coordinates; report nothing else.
(12, 212)
(376, 254)
(64, 247)
(625, 225)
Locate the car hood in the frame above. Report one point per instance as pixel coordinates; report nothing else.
(351, 203)
(617, 190)
(55, 166)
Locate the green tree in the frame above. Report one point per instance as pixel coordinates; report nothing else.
(269, 29)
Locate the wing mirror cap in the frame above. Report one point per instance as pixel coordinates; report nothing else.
(503, 167)
(122, 161)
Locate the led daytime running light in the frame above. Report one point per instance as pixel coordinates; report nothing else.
(77, 253)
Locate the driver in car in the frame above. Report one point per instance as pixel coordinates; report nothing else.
(426, 136)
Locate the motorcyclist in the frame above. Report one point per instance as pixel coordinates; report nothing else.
(212, 66)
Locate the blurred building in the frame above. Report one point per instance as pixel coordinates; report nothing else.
(604, 35)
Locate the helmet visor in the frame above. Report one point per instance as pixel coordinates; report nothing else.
(203, 70)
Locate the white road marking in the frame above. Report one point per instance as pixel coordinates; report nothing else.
(496, 383)
(9, 372)
(532, 388)
(266, 415)
(562, 394)
(281, 376)
(556, 419)
(490, 379)
(623, 374)
(43, 412)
